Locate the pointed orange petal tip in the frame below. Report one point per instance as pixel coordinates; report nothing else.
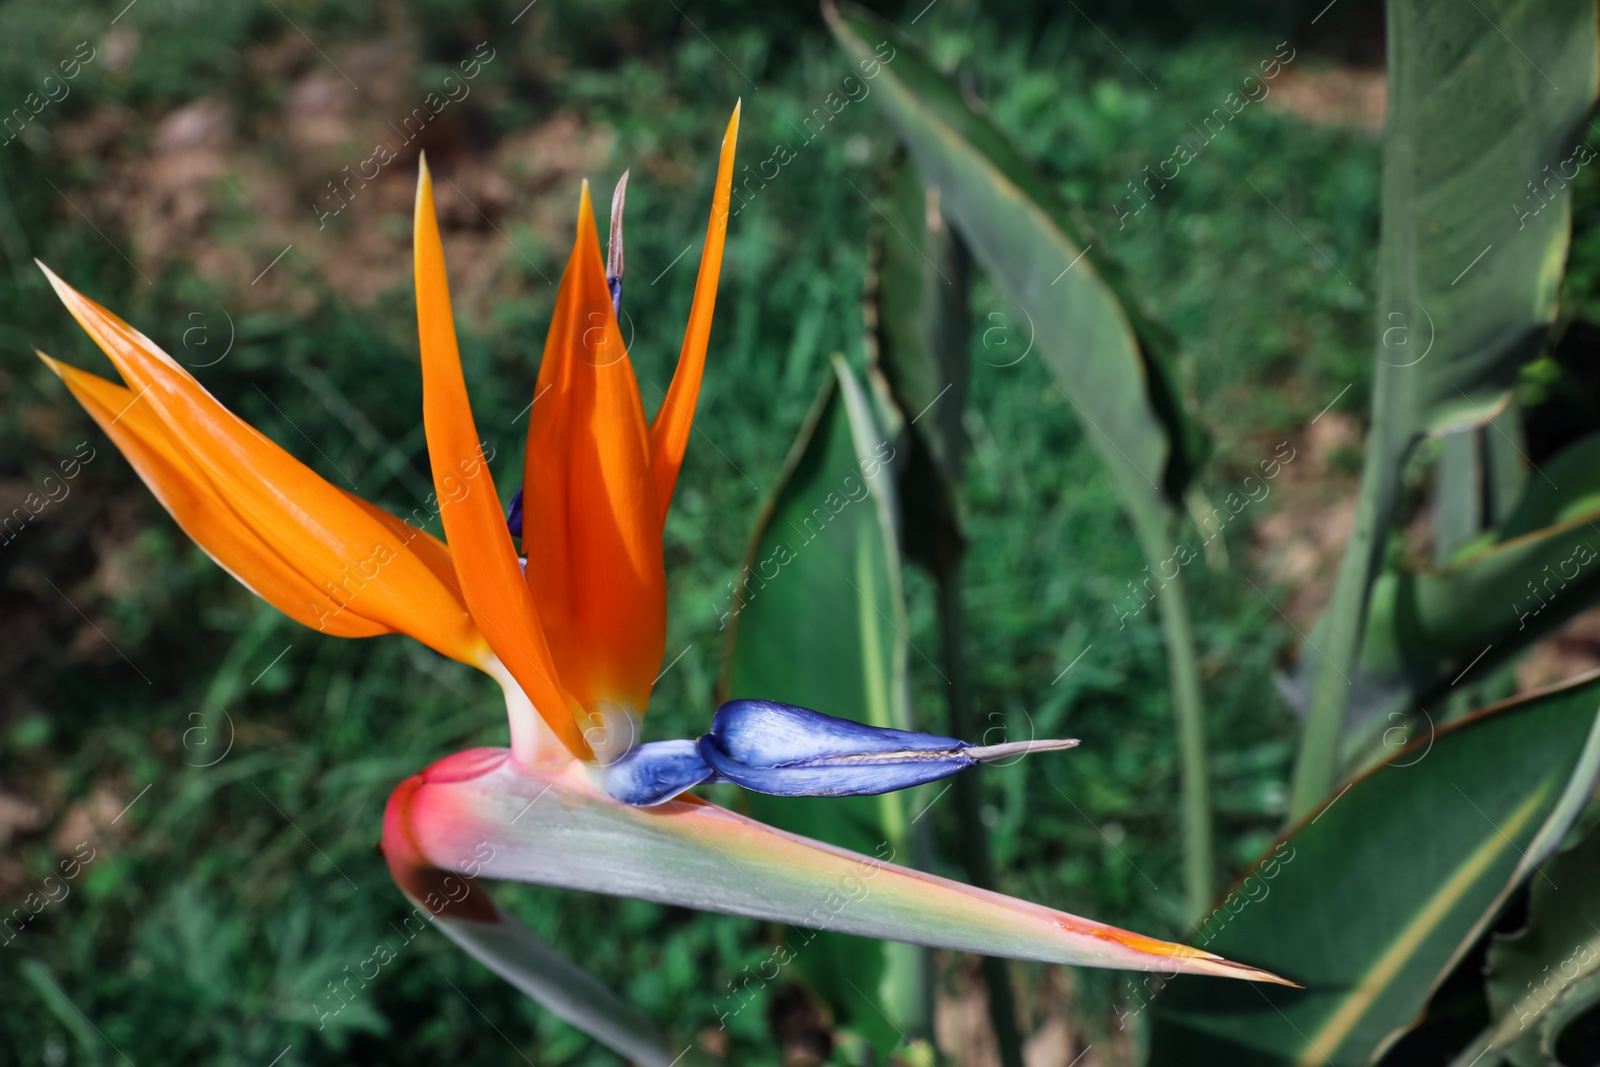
(591, 528)
(669, 433)
(190, 499)
(475, 526)
(300, 543)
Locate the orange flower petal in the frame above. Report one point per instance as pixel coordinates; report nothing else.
(188, 497)
(312, 526)
(434, 553)
(475, 525)
(669, 434)
(591, 521)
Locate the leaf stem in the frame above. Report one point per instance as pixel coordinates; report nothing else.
(1337, 641)
(1184, 668)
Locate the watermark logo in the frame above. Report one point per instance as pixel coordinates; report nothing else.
(197, 338)
(199, 745)
(1407, 335)
(1007, 336)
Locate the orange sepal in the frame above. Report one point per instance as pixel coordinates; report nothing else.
(591, 521)
(315, 528)
(188, 497)
(485, 560)
(669, 433)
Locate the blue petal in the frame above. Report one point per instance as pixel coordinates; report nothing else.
(789, 751)
(514, 514)
(656, 772)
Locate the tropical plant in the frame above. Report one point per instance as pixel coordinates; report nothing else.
(573, 630)
(1108, 359)
(1468, 280)
(1419, 827)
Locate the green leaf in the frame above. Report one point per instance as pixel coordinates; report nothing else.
(819, 621)
(1549, 973)
(1567, 491)
(920, 316)
(919, 329)
(1505, 463)
(1108, 360)
(1482, 98)
(1370, 902)
(1458, 494)
(919, 336)
(1425, 628)
(1481, 476)
(516, 954)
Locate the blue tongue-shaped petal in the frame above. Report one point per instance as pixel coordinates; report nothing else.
(784, 750)
(790, 751)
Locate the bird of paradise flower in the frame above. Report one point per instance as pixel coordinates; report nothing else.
(573, 630)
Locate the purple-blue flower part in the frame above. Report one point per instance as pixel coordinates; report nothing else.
(657, 771)
(514, 514)
(787, 751)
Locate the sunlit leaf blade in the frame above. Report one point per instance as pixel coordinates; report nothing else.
(555, 827)
(820, 622)
(1483, 97)
(1107, 359)
(1370, 902)
(1482, 100)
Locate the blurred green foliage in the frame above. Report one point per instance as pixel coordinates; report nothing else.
(227, 897)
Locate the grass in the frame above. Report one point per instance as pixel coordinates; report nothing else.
(223, 901)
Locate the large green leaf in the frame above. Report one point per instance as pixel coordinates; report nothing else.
(1107, 358)
(1369, 903)
(1483, 97)
(820, 622)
